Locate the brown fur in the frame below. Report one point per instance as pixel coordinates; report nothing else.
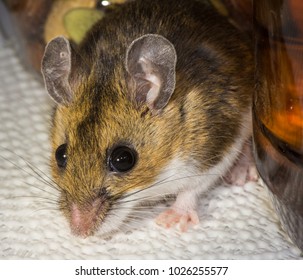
(199, 124)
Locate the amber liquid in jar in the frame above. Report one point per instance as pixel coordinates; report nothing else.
(278, 107)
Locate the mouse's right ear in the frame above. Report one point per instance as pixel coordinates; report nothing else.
(56, 68)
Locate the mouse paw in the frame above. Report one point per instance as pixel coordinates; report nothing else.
(240, 174)
(244, 168)
(171, 217)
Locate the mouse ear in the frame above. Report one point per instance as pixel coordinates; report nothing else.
(151, 62)
(55, 68)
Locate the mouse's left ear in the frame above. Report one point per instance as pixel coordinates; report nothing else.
(56, 68)
(151, 63)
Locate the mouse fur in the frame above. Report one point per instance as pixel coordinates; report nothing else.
(184, 143)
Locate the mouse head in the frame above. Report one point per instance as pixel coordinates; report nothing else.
(110, 128)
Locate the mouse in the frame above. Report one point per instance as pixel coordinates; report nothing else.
(154, 102)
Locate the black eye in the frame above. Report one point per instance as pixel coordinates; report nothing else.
(61, 156)
(122, 159)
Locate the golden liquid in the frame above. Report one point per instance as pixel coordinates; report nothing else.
(285, 89)
(278, 108)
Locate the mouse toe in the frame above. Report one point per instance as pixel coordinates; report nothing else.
(171, 217)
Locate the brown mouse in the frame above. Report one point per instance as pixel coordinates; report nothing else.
(155, 101)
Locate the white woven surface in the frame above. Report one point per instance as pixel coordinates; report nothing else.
(235, 222)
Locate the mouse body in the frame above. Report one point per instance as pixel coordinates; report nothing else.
(155, 101)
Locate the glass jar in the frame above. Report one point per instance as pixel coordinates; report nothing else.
(278, 107)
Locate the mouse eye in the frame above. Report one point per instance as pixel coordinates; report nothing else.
(61, 156)
(122, 159)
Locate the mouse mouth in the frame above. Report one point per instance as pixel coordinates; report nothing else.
(85, 219)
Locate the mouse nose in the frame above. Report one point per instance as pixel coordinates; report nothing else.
(86, 218)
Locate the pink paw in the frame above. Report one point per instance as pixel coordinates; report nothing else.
(171, 217)
(252, 174)
(244, 168)
(241, 174)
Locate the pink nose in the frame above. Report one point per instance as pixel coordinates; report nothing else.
(84, 219)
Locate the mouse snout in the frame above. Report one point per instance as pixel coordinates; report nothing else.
(86, 218)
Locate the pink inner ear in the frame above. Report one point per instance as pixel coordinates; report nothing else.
(154, 90)
(151, 62)
(153, 79)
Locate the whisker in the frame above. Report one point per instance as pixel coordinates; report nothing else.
(50, 183)
(164, 181)
(46, 199)
(141, 210)
(42, 209)
(41, 189)
(35, 170)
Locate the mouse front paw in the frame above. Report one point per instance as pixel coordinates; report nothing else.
(173, 216)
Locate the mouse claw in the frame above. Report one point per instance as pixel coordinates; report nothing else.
(171, 217)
